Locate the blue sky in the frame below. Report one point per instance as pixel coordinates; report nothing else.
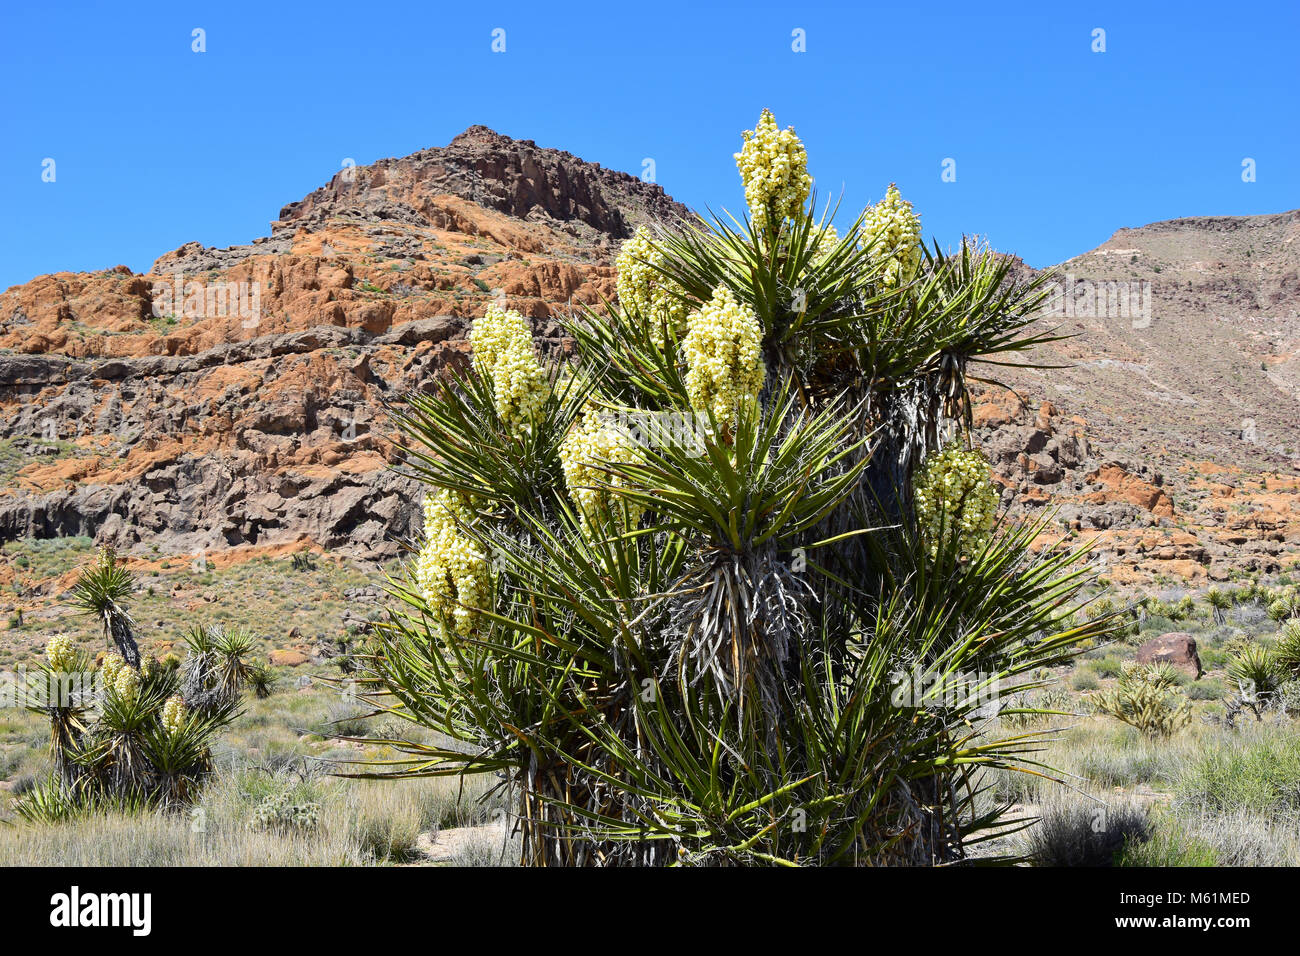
(1055, 146)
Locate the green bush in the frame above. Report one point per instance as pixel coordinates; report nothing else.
(1084, 680)
(1261, 776)
(1169, 844)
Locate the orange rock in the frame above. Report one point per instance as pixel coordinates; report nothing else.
(288, 658)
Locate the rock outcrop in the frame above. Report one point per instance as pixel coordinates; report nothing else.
(237, 398)
(1177, 649)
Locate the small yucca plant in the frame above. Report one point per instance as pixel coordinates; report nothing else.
(1286, 652)
(1258, 675)
(102, 590)
(693, 592)
(1284, 605)
(1220, 603)
(122, 736)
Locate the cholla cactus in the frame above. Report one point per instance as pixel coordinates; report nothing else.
(774, 168)
(591, 444)
(502, 341)
(61, 653)
(1146, 697)
(452, 571)
(954, 495)
(896, 236)
(173, 713)
(724, 360)
(277, 814)
(642, 287)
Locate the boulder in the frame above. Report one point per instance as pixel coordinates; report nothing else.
(1176, 648)
(288, 658)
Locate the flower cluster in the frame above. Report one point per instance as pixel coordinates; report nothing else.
(894, 233)
(954, 495)
(644, 289)
(822, 242)
(61, 653)
(173, 713)
(591, 444)
(126, 683)
(452, 572)
(112, 666)
(502, 342)
(774, 168)
(724, 361)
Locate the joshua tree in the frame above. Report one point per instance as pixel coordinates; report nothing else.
(727, 585)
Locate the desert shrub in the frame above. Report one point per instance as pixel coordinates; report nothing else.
(387, 823)
(1085, 833)
(1169, 844)
(1246, 839)
(343, 719)
(1121, 766)
(1249, 614)
(1205, 689)
(483, 850)
(699, 579)
(1259, 776)
(1108, 666)
(1084, 680)
(1145, 697)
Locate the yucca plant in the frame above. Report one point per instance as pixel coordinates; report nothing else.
(216, 666)
(234, 648)
(727, 585)
(123, 736)
(1286, 652)
(63, 692)
(261, 678)
(177, 748)
(1257, 674)
(1284, 605)
(1220, 603)
(102, 590)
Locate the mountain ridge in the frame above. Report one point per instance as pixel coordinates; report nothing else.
(187, 431)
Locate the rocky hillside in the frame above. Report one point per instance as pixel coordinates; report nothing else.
(1171, 424)
(235, 398)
